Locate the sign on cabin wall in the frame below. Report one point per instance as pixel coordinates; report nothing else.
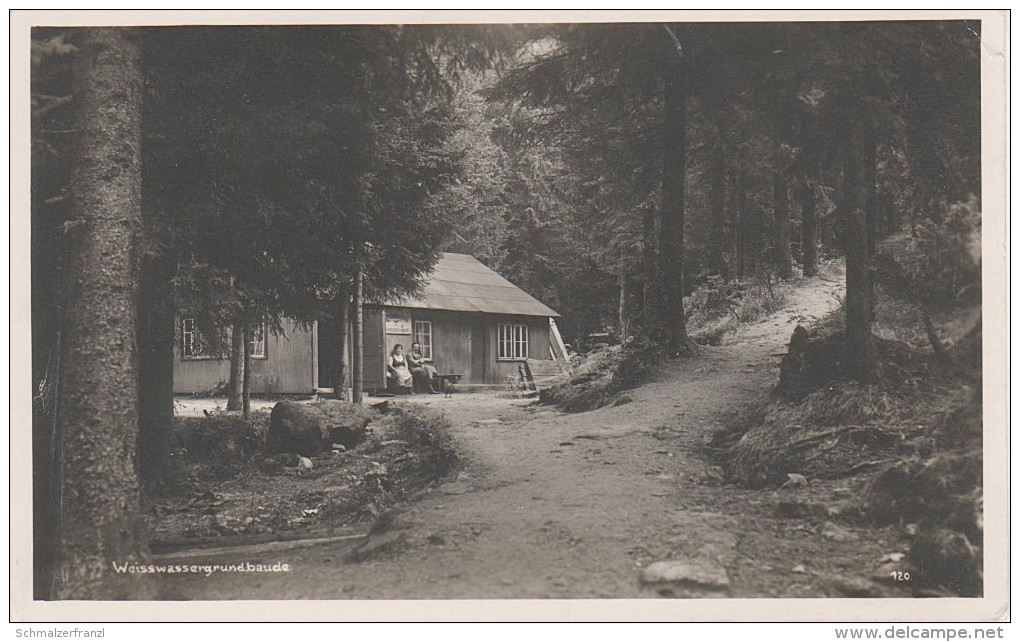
(398, 324)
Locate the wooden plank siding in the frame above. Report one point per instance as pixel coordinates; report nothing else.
(465, 342)
(462, 343)
(289, 366)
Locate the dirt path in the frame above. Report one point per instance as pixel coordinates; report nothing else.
(554, 505)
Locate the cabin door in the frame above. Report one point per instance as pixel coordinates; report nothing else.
(374, 369)
(329, 353)
(478, 353)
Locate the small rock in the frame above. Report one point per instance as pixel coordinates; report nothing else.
(795, 479)
(837, 533)
(623, 399)
(305, 463)
(698, 572)
(799, 568)
(911, 530)
(485, 422)
(339, 448)
(276, 463)
(892, 557)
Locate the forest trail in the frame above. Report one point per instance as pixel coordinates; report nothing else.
(555, 505)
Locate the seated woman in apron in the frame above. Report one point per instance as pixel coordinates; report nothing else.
(396, 366)
(424, 374)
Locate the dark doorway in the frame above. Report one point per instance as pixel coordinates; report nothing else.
(329, 353)
(477, 353)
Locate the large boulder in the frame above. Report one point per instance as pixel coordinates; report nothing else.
(308, 429)
(296, 428)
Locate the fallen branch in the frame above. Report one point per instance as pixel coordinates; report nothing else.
(264, 547)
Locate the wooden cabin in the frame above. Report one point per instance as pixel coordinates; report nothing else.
(469, 321)
(281, 364)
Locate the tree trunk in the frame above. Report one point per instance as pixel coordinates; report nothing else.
(809, 230)
(671, 326)
(234, 401)
(859, 351)
(870, 187)
(892, 223)
(718, 191)
(781, 231)
(343, 380)
(156, 334)
(622, 308)
(246, 376)
(98, 404)
(359, 344)
(740, 225)
(649, 264)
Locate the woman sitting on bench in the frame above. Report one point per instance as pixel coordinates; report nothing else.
(397, 371)
(425, 376)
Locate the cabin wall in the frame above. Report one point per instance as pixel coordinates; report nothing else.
(464, 342)
(290, 366)
(497, 370)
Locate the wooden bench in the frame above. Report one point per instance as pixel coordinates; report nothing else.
(452, 378)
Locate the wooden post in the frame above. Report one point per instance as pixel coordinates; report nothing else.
(358, 336)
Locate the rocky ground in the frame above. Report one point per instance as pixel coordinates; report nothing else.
(613, 503)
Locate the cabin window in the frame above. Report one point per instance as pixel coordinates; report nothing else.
(423, 337)
(258, 342)
(512, 341)
(193, 346)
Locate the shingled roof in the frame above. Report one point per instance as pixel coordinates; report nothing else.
(461, 283)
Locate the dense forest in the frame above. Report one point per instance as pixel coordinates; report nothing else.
(248, 175)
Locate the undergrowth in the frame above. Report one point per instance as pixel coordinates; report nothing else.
(224, 484)
(719, 307)
(910, 440)
(428, 432)
(211, 448)
(715, 308)
(603, 375)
